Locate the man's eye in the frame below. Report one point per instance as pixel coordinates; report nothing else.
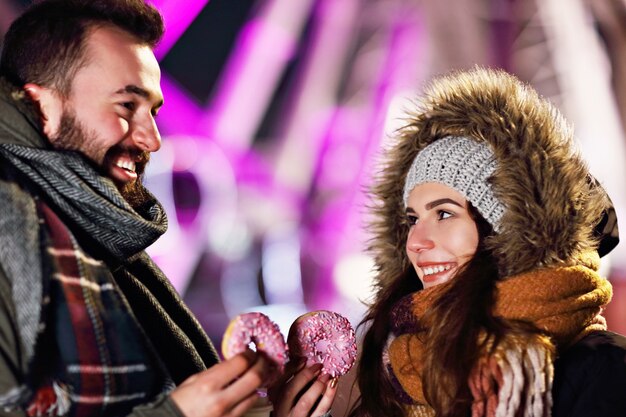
(128, 105)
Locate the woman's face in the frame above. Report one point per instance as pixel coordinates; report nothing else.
(442, 235)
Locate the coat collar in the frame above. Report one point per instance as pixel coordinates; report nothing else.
(20, 120)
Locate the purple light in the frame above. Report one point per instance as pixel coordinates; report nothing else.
(263, 49)
(180, 114)
(178, 15)
(401, 73)
(313, 100)
(357, 128)
(249, 81)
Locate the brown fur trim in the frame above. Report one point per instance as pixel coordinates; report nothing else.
(552, 205)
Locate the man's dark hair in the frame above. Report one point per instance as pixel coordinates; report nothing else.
(46, 45)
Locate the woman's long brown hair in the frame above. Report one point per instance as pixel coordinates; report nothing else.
(377, 395)
(451, 347)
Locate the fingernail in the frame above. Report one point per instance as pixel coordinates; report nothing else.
(333, 382)
(324, 378)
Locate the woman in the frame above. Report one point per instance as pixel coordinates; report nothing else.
(487, 242)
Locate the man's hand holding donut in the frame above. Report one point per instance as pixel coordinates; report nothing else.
(227, 389)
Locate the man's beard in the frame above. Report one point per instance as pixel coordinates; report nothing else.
(73, 136)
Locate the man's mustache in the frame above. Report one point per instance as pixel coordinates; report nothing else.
(141, 161)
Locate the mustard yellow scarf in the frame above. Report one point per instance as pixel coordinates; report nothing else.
(516, 378)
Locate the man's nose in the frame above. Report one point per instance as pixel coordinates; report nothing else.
(146, 135)
(419, 238)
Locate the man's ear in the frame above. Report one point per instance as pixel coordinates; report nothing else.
(50, 105)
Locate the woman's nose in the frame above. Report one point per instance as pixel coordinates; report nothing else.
(419, 239)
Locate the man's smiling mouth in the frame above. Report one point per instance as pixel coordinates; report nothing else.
(126, 164)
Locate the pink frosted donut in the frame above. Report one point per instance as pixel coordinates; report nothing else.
(258, 329)
(323, 337)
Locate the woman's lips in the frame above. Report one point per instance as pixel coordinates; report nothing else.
(435, 271)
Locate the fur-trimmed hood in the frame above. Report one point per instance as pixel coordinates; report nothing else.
(552, 202)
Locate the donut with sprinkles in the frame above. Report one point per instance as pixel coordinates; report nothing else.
(323, 337)
(257, 329)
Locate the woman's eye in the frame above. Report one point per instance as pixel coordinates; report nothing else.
(442, 214)
(411, 220)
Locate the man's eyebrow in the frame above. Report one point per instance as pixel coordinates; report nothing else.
(134, 89)
(441, 201)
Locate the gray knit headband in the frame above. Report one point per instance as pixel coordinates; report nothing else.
(463, 164)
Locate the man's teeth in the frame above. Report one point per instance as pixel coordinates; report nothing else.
(127, 165)
(435, 269)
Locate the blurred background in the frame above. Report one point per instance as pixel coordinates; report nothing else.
(277, 110)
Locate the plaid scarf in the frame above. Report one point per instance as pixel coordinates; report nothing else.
(97, 360)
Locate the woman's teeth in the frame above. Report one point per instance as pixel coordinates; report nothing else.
(435, 269)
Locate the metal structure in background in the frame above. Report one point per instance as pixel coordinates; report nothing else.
(276, 112)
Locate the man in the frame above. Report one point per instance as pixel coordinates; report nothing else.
(88, 323)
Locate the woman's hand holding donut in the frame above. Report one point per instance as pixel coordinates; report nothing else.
(227, 389)
(321, 346)
(303, 392)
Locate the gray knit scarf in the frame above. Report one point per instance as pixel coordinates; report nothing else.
(89, 200)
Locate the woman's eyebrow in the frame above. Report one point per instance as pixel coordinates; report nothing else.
(441, 201)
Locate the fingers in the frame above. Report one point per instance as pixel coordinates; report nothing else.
(287, 395)
(327, 399)
(272, 370)
(232, 368)
(226, 388)
(243, 406)
(247, 383)
(276, 388)
(310, 398)
(301, 379)
(223, 373)
(309, 393)
(294, 366)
